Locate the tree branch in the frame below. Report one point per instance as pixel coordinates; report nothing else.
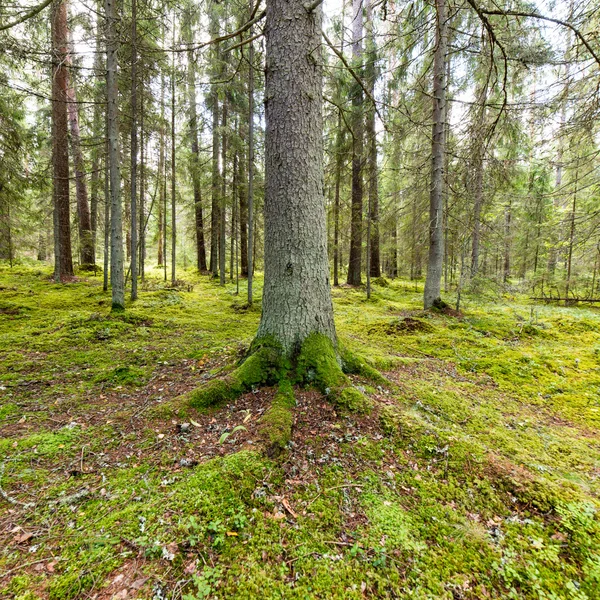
(34, 11)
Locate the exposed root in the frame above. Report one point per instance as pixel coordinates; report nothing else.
(316, 364)
(276, 424)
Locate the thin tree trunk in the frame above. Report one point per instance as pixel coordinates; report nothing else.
(173, 181)
(336, 202)
(116, 216)
(250, 250)
(134, 150)
(106, 211)
(142, 211)
(507, 220)
(60, 142)
(355, 261)
(223, 211)
(571, 234)
(162, 201)
(195, 162)
(215, 201)
(234, 195)
(374, 265)
(297, 296)
(433, 281)
(243, 213)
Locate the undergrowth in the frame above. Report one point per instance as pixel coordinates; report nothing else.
(475, 473)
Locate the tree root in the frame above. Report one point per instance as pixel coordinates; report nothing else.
(275, 426)
(317, 364)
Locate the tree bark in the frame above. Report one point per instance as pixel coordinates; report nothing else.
(195, 163)
(215, 201)
(355, 261)
(117, 281)
(250, 250)
(374, 252)
(297, 295)
(243, 214)
(134, 150)
(60, 142)
(223, 211)
(436, 197)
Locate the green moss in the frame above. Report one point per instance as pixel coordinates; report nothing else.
(276, 424)
(8, 409)
(357, 365)
(263, 366)
(319, 365)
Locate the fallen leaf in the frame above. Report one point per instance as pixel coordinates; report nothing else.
(232, 533)
(24, 537)
(287, 507)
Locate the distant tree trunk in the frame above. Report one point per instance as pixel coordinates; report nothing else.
(336, 203)
(507, 220)
(134, 150)
(116, 216)
(234, 196)
(223, 211)
(106, 211)
(374, 252)
(98, 129)
(571, 234)
(173, 181)
(162, 200)
(215, 201)
(355, 261)
(142, 211)
(195, 163)
(250, 166)
(297, 296)
(436, 198)
(60, 142)
(243, 214)
(477, 158)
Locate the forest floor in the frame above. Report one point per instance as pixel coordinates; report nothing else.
(476, 475)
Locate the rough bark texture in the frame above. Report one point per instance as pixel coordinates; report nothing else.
(243, 214)
(134, 150)
(433, 281)
(215, 203)
(354, 264)
(223, 211)
(60, 142)
(116, 215)
(195, 166)
(297, 296)
(374, 253)
(250, 167)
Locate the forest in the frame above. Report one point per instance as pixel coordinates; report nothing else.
(299, 299)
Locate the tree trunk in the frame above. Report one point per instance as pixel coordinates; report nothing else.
(195, 163)
(173, 181)
(142, 211)
(243, 214)
(507, 220)
(134, 150)
(436, 197)
(250, 166)
(478, 156)
(162, 200)
(116, 216)
(60, 142)
(223, 211)
(374, 252)
(215, 202)
(297, 296)
(354, 264)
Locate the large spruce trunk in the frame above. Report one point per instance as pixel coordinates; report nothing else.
(436, 197)
(60, 142)
(297, 297)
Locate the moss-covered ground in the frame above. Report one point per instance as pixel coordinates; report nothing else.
(476, 474)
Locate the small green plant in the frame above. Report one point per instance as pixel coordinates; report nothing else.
(205, 583)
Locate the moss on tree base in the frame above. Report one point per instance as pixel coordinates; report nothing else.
(276, 424)
(316, 364)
